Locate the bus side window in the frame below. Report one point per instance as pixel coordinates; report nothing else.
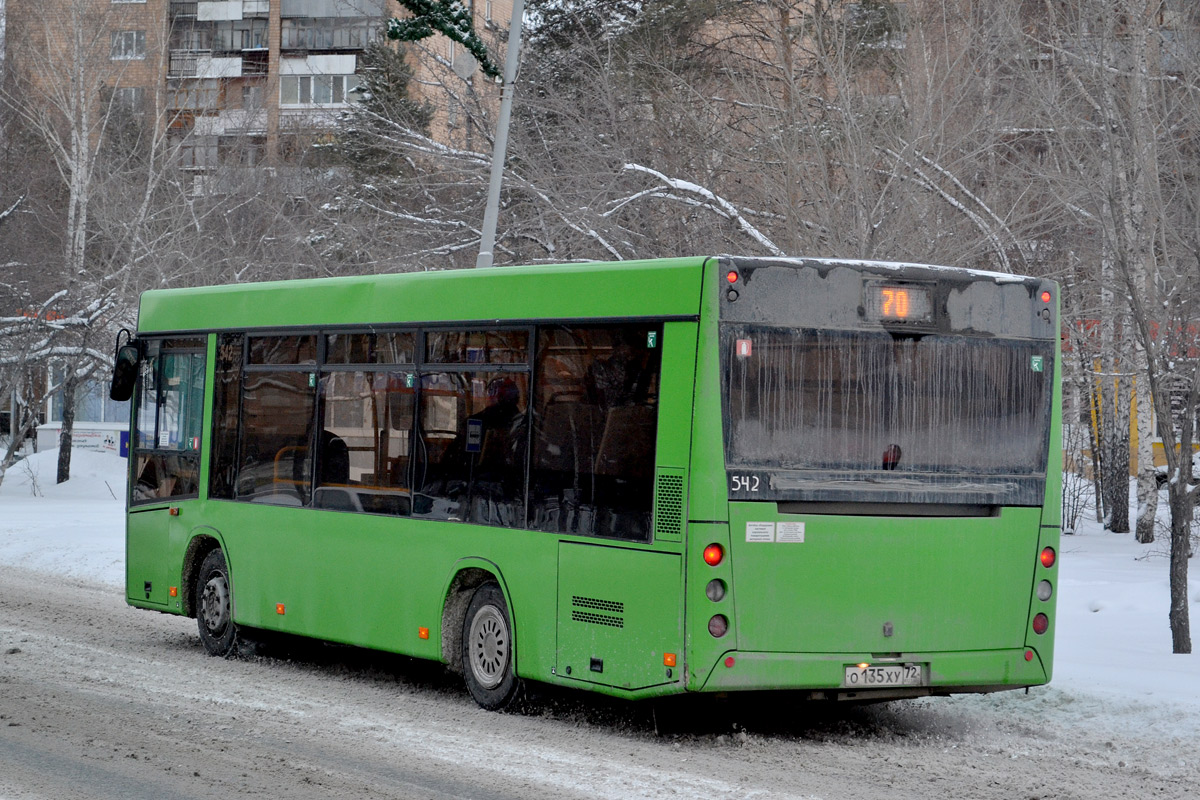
(472, 443)
(366, 420)
(277, 417)
(227, 394)
(594, 430)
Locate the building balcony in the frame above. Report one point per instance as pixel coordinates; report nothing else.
(185, 63)
(219, 10)
(255, 62)
(183, 10)
(203, 64)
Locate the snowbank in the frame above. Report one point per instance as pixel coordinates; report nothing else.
(74, 529)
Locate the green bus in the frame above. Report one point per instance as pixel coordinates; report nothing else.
(641, 478)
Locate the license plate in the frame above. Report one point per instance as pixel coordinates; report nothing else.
(882, 676)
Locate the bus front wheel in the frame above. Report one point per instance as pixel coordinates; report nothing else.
(214, 606)
(487, 649)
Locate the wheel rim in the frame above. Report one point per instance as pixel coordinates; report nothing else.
(214, 604)
(489, 647)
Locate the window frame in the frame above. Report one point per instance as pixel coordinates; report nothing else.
(419, 366)
(193, 455)
(128, 45)
(306, 88)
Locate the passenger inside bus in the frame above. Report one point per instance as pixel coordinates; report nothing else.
(335, 459)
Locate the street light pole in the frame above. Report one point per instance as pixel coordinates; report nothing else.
(487, 241)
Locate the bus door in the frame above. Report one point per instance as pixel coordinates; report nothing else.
(164, 460)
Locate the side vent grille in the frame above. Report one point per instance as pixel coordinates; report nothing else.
(594, 605)
(668, 507)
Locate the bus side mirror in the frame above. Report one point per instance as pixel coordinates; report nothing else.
(125, 370)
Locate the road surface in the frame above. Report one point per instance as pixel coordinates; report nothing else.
(98, 700)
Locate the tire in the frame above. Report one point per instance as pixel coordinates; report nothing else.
(487, 649)
(214, 606)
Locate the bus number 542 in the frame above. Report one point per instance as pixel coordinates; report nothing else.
(745, 483)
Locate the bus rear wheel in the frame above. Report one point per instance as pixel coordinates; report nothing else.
(214, 606)
(487, 649)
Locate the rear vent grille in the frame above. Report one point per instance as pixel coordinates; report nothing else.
(668, 507)
(595, 605)
(611, 606)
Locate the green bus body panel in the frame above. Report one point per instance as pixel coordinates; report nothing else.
(663, 288)
(1051, 530)
(934, 584)
(708, 491)
(147, 538)
(673, 439)
(618, 615)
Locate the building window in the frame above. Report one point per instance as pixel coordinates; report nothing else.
(317, 90)
(487, 10)
(92, 404)
(327, 33)
(252, 97)
(128, 98)
(143, 2)
(194, 95)
(128, 45)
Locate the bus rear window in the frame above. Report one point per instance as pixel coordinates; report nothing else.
(803, 399)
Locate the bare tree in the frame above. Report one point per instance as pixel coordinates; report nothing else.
(61, 67)
(1118, 117)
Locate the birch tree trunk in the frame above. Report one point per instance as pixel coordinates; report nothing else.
(1147, 477)
(68, 427)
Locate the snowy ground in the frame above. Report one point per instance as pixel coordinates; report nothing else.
(1114, 671)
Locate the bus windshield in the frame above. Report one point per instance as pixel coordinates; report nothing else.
(814, 399)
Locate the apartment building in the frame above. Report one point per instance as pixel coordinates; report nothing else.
(242, 81)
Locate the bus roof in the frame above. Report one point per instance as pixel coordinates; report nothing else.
(626, 289)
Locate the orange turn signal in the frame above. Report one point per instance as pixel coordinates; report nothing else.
(422, 633)
(279, 608)
(668, 659)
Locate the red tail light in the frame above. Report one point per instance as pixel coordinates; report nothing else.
(713, 554)
(1040, 624)
(1048, 557)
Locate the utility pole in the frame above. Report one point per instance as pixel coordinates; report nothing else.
(487, 241)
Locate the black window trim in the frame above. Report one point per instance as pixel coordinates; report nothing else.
(421, 366)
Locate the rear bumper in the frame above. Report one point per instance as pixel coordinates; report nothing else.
(945, 673)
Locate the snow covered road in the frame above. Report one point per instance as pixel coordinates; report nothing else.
(98, 700)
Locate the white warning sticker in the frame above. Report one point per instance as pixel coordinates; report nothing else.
(760, 531)
(792, 532)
